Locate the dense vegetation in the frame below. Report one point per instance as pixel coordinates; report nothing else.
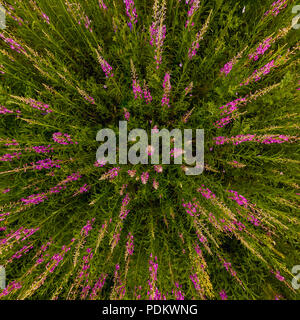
(74, 228)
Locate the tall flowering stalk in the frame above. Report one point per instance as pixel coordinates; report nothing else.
(79, 15)
(231, 108)
(229, 65)
(35, 104)
(107, 69)
(261, 49)
(86, 96)
(165, 101)
(276, 7)
(63, 138)
(137, 90)
(194, 6)
(124, 211)
(199, 36)
(131, 10)
(257, 74)
(158, 30)
(153, 293)
(266, 139)
(13, 44)
(147, 94)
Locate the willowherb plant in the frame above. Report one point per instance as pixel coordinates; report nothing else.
(74, 227)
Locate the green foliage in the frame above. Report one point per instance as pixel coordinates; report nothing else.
(61, 68)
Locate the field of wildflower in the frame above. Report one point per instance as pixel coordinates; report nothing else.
(75, 228)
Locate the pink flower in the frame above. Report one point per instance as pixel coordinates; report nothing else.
(145, 177)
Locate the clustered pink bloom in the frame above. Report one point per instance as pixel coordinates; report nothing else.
(4, 215)
(137, 90)
(227, 67)
(153, 293)
(13, 142)
(179, 295)
(11, 287)
(84, 273)
(35, 198)
(158, 168)
(41, 256)
(194, 6)
(276, 7)
(228, 268)
(256, 222)
(20, 252)
(113, 173)
(13, 44)
(124, 211)
(17, 19)
(57, 258)
(98, 287)
(10, 157)
(266, 139)
(155, 184)
(2, 69)
(6, 190)
(150, 150)
(102, 5)
(73, 177)
(87, 228)
(107, 69)
(61, 138)
(4, 110)
(206, 193)
(228, 109)
(116, 239)
(100, 163)
(90, 99)
(240, 200)
(17, 235)
(145, 177)
(196, 283)
(38, 198)
(131, 10)
(46, 18)
(126, 114)
(199, 36)
(257, 73)
(43, 149)
(261, 49)
(123, 188)
(84, 188)
(223, 295)
(45, 164)
(130, 244)
(278, 275)
(147, 94)
(167, 90)
(131, 173)
(191, 208)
